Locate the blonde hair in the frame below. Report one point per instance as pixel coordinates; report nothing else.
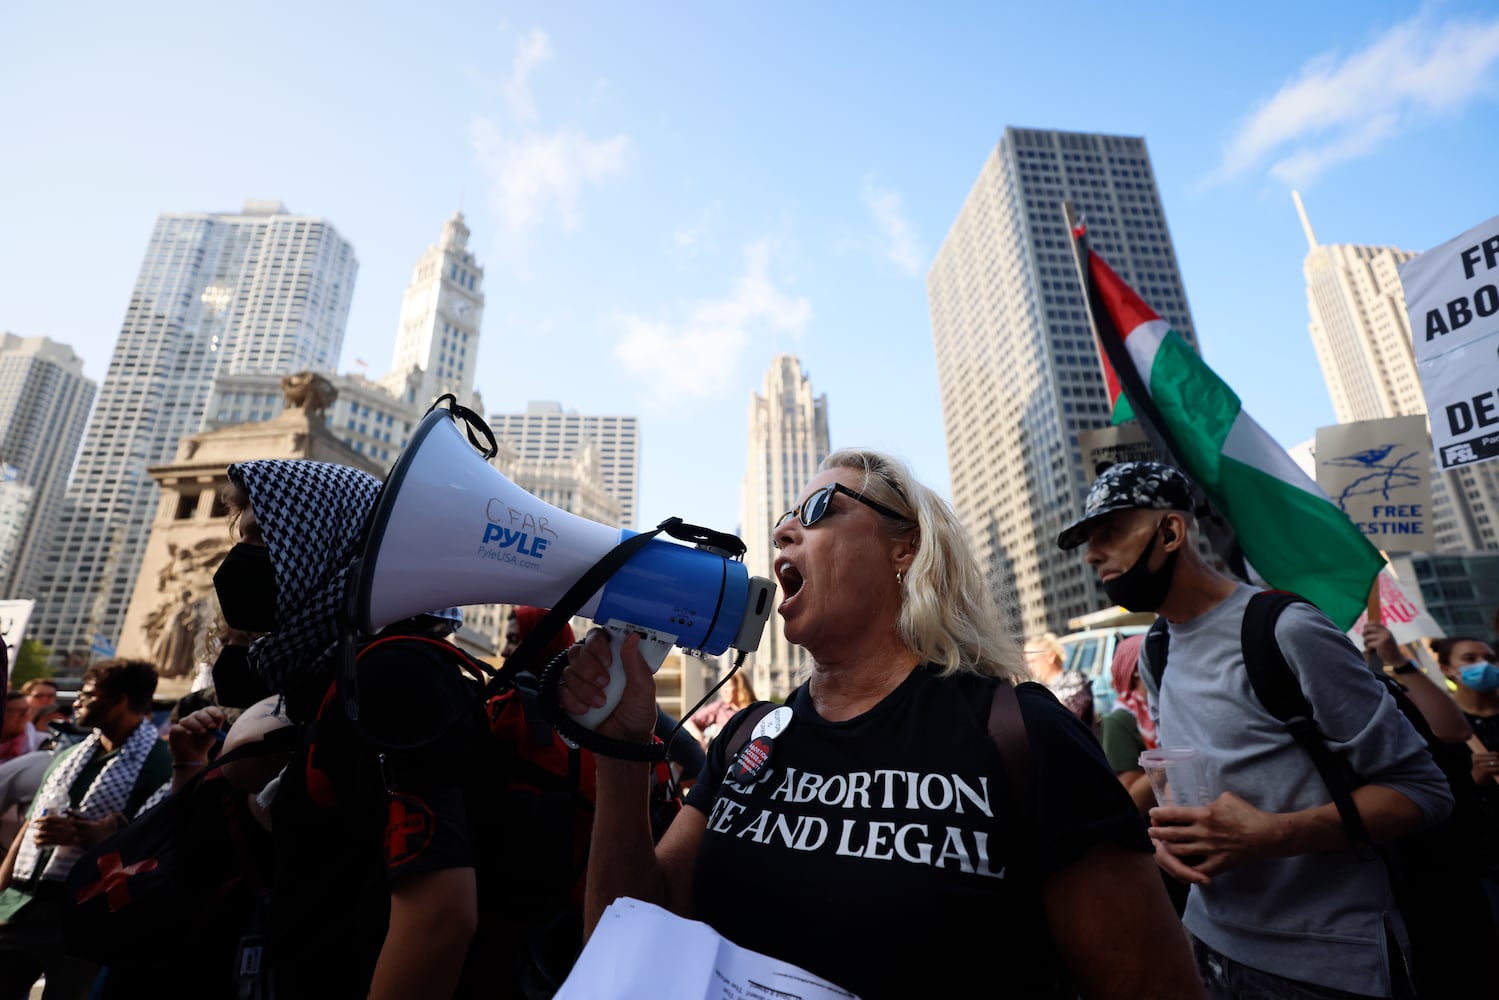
(949, 615)
(1048, 643)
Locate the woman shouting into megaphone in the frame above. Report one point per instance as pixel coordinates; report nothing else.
(915, 818)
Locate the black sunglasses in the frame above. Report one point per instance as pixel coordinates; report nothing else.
(816, 505)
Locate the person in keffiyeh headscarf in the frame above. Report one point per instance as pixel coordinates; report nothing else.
(1128, 729)
(301, 524)
(375, 806)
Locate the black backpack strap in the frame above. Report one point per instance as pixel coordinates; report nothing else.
(1007, 730)
(1153, 652)
(275, 741)
(1277, 689)
(744, 723)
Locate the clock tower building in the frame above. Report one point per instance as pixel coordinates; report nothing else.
(437, 342)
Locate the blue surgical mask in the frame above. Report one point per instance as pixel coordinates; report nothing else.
(1480, 677)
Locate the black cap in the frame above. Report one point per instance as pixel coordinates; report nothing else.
(1129, 486)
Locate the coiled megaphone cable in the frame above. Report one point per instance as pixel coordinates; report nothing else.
(568, 727)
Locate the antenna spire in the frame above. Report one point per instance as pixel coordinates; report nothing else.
(1306, 224)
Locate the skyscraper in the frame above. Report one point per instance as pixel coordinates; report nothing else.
(1017, 366)
(44, 406)
(217, 293)
(1362, 336)
(788, 439)
(545, 432)
(437, 339)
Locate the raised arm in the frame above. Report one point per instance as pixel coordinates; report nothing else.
(1437, 707)
(622, 858)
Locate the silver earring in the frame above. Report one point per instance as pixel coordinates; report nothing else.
(900, 578)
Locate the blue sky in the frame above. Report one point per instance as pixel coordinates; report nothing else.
(667, 195)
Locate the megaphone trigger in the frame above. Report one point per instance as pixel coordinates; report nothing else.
(653, 649)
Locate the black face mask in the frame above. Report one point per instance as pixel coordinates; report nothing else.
(246, 585)
(235, 682)
(1140, 589)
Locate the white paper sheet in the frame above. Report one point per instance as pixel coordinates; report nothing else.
(640, 950)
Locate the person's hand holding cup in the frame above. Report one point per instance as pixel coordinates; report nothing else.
(1177, 778)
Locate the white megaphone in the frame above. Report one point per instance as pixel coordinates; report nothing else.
(449, 529)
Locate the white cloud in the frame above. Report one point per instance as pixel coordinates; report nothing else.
(1337, 110)
(902, 246)
(535, 173)
(538, 172)
(696, 235)
(1302, 166)
(696, 357)
(530, 53)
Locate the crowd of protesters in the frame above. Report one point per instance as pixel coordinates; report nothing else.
(1288, 877)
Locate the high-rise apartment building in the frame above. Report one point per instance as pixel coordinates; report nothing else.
(44, 407)
(437, 339)
(17, 504)
(1017, 366)
(258, 291)
(1362, 336)
(545, 432)
(788, 439)
(437, 342)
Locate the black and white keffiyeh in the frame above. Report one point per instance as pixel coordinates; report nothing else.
(312, 517)
(106, 794)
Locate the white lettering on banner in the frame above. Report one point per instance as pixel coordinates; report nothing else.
(1452, 302)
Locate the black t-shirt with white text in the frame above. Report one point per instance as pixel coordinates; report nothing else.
(883, 854)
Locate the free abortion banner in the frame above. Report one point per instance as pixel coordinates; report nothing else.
(1452, 299)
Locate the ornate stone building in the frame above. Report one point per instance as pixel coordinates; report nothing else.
(173, 617)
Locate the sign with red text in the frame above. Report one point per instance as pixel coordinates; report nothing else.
(1452, 299)
(1403, 613)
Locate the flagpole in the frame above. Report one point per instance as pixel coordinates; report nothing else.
(1111, 348)
(1112, 353)
(1376, 617)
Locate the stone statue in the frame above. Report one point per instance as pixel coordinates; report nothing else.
(177, 627)
(308, 391)
(174, 635)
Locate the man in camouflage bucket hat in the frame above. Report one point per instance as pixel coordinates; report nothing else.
(1129, 486)
(1274, 883)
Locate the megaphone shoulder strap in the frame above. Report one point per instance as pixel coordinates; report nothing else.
(577, 595)
(471, 422)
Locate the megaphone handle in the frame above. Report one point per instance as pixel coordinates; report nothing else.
(653, 647)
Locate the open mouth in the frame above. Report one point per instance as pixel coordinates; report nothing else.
(790, 580)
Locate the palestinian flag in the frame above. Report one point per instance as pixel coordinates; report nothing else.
(1293, 536)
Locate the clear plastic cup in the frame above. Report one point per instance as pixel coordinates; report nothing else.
(1176, 775)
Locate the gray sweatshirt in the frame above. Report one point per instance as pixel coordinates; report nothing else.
(1317, 918)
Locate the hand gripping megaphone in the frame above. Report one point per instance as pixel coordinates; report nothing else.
(449, 529)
